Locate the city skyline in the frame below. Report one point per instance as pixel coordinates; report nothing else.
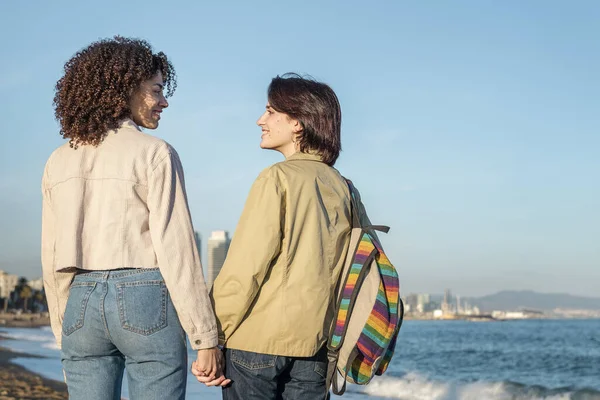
(218, 245)
(470, 128)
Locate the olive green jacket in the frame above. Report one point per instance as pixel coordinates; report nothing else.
(275, 292)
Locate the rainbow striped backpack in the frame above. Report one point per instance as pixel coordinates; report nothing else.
(369, 310)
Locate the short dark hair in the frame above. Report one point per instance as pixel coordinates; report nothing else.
(93, 96)
(316, 107)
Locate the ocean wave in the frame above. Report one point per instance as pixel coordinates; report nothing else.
(413, 386)
(50, 345)
(43, 337)
(32, 337)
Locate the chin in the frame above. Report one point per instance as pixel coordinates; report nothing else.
(151, 125)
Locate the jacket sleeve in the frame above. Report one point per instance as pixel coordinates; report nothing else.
(255, 245)
(56, 284)
(173, 240)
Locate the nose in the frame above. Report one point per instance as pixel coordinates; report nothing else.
(261, 120)
(163, 102)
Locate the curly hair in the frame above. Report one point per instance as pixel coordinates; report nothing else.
(93, 96)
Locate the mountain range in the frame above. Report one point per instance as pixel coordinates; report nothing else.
(527, 299)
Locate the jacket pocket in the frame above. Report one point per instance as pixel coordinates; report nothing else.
(142, 306)
(79, 294)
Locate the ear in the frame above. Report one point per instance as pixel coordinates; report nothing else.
(297, 126)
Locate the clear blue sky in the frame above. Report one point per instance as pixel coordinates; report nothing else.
(472, 128)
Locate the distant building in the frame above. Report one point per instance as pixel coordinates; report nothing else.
(447, 307)
(7, 284)
(218, 245)
(423, 302)
(36, 284)
(198, 240)
(410, 302)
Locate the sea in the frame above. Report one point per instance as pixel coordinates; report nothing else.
(437, 360)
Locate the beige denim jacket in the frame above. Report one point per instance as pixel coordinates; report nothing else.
(275, 292)
(122, 205)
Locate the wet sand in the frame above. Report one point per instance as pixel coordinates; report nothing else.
(17, 382)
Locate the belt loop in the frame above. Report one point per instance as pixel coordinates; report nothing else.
(105, 275)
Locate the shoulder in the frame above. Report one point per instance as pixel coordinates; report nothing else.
(147, 148)
(274, 175)
(55, 157)
(271, 173)
(59, 152)
(161, 151)
(145, 144)
(304, 172)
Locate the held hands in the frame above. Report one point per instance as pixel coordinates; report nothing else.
(208, 367)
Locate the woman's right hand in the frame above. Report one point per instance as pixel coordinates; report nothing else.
(208, 367)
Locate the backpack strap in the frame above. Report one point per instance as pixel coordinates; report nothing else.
(380, 228)
(332, 359)
(332, 375)
(355, 198)
(355, 209)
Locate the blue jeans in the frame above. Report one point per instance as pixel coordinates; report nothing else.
(258, 376)
(123, 320)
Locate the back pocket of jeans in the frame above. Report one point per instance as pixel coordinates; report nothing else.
(79, 294)
(142, 306)
(321, 368)
(252, 361)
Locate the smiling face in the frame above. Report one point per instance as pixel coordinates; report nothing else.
(279, 131)
(148, 101)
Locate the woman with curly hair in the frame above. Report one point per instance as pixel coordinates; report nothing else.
(121, 270)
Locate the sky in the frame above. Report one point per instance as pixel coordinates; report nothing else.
(471, 128)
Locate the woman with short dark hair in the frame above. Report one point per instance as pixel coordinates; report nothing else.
(274, 296)
(121, 270)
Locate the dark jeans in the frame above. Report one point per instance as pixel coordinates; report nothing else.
(258, 376)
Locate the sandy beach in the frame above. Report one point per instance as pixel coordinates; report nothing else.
(17, 382)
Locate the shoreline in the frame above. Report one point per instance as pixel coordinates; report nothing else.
(34, 320)
(17, 382)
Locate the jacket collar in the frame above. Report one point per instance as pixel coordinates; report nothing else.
(305, 156)
(127, 122)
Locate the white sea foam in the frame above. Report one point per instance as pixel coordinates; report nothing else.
(413, 386)
(32, 337)
(409, 387)
(19, 337)
(50, 345)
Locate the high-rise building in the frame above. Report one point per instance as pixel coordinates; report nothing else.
(218, 245)
(410, 302)
(423, 302)
(198, 240)
(447, 302)
(7, 284)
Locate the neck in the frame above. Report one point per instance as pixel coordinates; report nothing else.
(289, 149)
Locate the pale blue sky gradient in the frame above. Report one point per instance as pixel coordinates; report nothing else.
(472, 128)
